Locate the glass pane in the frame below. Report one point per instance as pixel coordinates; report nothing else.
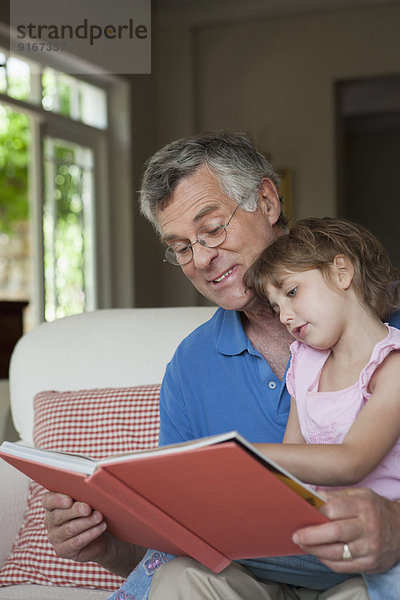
(49, 90)
(15, 240)
(58, 93)
(68, 229)
(64, 96)
(93, 105)
(18, 79)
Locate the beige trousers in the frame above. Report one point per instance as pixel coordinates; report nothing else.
(185, 579)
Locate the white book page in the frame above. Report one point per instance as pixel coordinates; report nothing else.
(63, 460)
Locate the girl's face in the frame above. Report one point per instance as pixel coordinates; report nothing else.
(313, 310)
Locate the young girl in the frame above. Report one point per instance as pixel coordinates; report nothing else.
(333, 286)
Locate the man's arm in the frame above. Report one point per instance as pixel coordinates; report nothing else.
(78, 532)
(368, 523)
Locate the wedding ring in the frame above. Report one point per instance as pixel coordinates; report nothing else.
(347, 555)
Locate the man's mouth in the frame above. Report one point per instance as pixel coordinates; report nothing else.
(222, 277)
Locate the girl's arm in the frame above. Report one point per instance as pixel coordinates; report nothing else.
(368, 441)
(293, 433)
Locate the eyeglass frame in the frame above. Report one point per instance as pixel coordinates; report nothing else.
(190, 246)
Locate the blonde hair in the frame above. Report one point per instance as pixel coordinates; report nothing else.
(314, 243)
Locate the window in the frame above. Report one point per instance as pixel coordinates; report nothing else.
(55, 170)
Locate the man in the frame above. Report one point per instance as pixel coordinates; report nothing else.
(214, 201)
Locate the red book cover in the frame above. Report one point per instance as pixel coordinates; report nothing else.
(216, 499)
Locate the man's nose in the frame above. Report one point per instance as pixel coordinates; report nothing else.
(202, 255)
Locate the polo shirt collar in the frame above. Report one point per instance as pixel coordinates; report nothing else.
(232, 339)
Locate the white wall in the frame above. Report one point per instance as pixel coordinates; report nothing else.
(275, 78)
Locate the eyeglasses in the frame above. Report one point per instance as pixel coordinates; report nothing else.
(210, 236)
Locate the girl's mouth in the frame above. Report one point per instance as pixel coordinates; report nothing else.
(300, 331)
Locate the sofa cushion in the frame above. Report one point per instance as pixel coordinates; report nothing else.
(99, 423)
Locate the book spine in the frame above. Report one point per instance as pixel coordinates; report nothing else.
(150, 518)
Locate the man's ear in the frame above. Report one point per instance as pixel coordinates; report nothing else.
(268, 200)
(344, 270)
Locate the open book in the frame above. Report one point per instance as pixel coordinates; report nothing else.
(215, 499)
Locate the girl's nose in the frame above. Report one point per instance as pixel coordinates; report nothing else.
(285, 315)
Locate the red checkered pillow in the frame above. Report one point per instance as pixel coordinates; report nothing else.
(94, 422)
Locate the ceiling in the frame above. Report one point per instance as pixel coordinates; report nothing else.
(168, 13)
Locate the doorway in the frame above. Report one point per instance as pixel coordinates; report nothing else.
(368, 157)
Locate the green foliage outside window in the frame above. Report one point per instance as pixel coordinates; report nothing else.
(14, 160)
(66, 229)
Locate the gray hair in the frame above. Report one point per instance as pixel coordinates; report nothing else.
(237, 163)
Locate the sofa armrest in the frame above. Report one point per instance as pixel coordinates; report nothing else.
(13, 496)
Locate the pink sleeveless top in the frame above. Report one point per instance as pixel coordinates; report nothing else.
(326, 417)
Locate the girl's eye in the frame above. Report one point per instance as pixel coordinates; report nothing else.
(291, 293)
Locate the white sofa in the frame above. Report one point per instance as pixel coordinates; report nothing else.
(105, 348)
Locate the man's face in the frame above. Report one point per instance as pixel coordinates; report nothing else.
(217, 273)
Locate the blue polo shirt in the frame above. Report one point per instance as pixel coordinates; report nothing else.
(217, 382)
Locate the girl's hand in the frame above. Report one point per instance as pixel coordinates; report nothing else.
(366, 522)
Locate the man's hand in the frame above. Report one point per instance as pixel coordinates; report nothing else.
(78, 532)
(366, 522)
(75, 530)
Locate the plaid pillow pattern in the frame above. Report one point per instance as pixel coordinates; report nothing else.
(98, 423)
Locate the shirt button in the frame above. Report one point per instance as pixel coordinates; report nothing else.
(272, 385)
